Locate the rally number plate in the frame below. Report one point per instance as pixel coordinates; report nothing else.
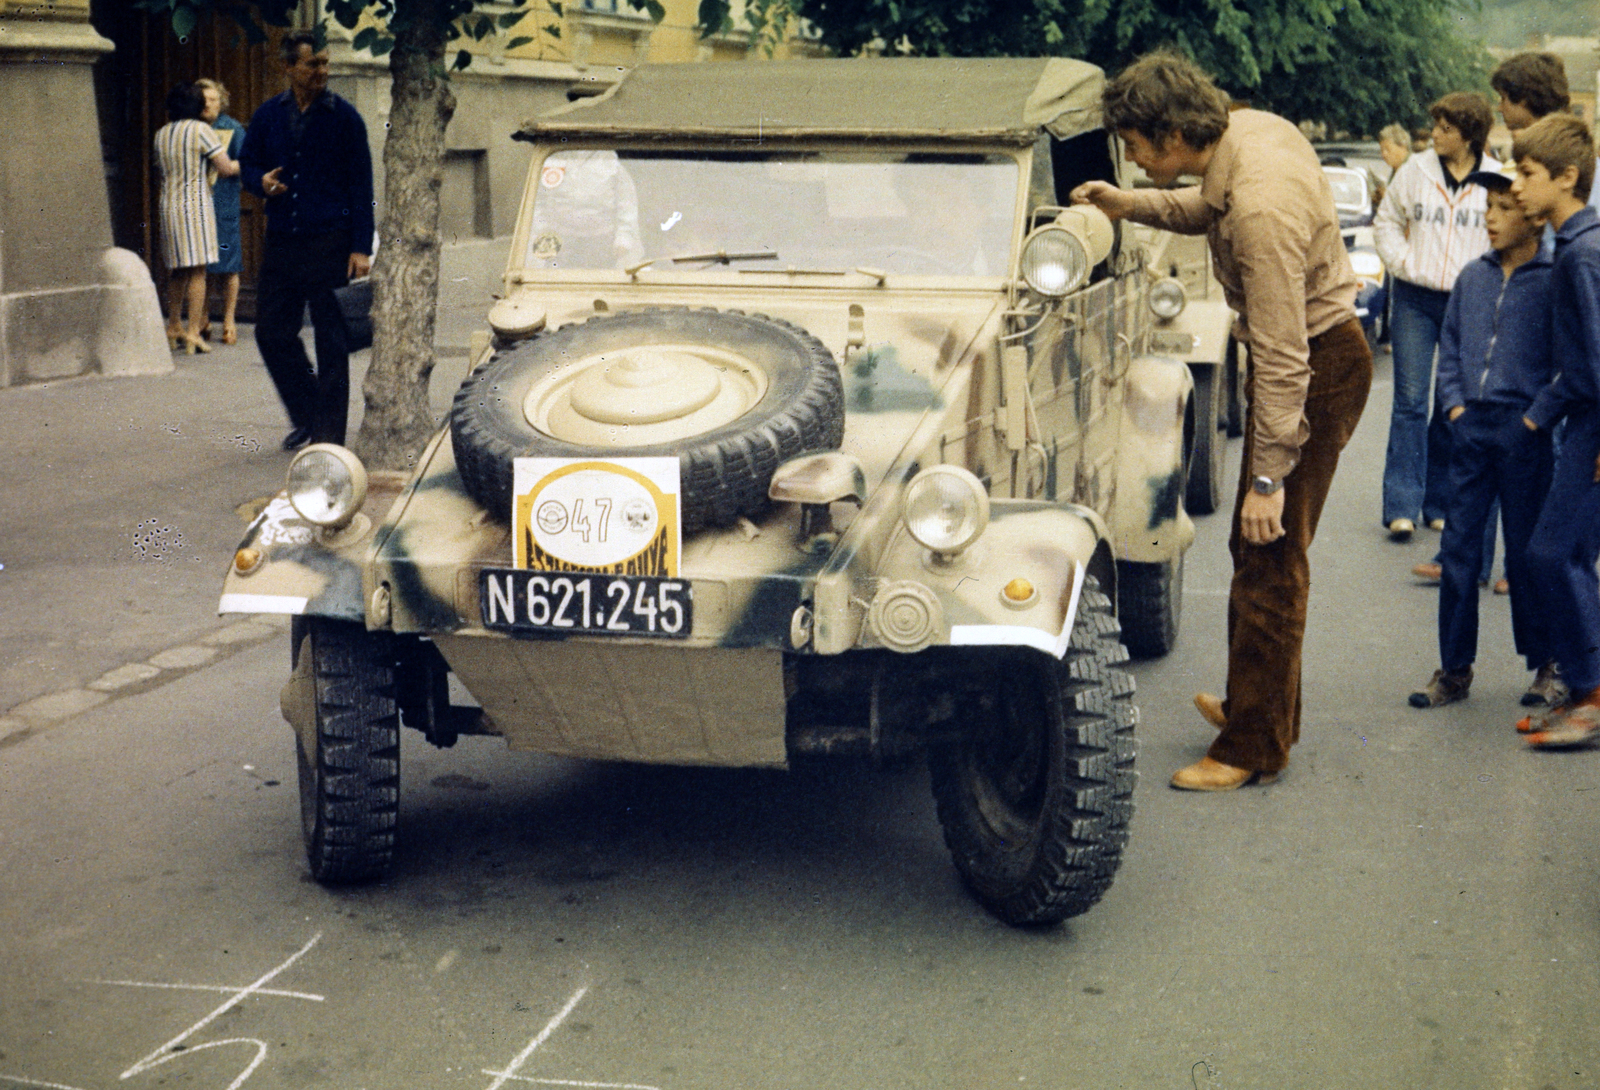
(586, 604)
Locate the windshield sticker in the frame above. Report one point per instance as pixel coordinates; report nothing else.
(545, 246)
(619, 516)
(552, 176)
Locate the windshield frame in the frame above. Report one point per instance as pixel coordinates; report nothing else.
(665, 272)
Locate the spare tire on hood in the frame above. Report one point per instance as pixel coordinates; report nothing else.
(732, 395)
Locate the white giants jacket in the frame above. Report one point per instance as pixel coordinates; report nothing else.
(1424, 233)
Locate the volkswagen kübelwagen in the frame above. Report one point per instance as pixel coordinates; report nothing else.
(809, 423)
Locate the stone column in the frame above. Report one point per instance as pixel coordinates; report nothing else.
(55, 223)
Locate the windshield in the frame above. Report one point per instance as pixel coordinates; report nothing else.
(946, 215)
(1349, 189)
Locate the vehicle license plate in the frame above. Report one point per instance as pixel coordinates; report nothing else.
(586, 603)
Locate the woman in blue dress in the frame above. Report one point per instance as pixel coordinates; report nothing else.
(225, 196)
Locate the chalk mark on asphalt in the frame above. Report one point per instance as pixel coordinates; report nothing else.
(511, 1073)
(177, 1047)
(20, 1081)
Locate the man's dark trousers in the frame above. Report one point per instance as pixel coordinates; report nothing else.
(1563, 551)
(296, 271)
(1493, 454)
(1272, 583)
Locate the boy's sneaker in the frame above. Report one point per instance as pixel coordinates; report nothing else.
(1547, 690)
(1579, 726)
(1443, 688)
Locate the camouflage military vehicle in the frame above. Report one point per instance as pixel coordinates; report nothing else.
(809, 423)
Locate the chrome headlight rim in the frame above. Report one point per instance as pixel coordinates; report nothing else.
(951, 484)
(327, 484)
(1168, 298)
(1054, 275)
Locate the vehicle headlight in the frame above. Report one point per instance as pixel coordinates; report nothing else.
(1167, 298)
(1054, 262)
(1059, 256)
(946, 509)
(327, 485)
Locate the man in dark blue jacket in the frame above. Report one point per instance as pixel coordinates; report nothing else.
(306, 153)
(1494, 360)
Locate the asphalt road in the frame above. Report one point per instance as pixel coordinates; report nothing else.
(1412, 905)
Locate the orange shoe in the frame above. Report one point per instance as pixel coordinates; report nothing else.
(1208, 775)
(1209, 705)
(1579, 726)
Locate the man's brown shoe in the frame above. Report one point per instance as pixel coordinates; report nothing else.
(1208, 775)
(1209, 705)
(1443, 688)
(1428, 571)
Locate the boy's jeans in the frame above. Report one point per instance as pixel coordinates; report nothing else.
(1493, 456)
(1418, 313)
(1562, 554)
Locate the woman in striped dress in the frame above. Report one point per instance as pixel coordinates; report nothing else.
(185, 147)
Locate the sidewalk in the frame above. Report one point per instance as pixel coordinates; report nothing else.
(124, 502)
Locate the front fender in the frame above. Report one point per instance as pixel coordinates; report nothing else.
(1050, 545)
(1147, 520)
(288, 565)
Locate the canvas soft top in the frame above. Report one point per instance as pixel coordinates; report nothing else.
(1005, 99)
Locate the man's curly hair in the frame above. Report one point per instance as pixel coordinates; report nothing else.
(1165, 91)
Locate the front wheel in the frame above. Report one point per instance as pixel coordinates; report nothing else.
(1035, 791)
(350, 773)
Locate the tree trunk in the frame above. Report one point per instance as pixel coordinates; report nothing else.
(397, 421)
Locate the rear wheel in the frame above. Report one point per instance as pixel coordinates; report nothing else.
(1036, 792)
(1150, 606)
(1203, 493)
(350, 773)
(1234, 369)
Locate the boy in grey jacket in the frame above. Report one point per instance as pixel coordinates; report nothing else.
(1494, 359)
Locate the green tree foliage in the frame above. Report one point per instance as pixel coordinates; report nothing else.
(1355, 65)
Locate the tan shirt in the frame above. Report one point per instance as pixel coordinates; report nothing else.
(1266, 209)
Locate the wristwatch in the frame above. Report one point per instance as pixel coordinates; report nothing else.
(1266, 486)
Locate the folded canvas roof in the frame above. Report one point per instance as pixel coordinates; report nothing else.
(1007, 99)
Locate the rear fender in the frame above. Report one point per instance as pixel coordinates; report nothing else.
(1148, 523)
(1051, 546)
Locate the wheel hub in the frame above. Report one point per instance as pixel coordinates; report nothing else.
(645, 386)
(646, 394)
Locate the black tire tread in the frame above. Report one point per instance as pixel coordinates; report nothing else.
(352, 835)
(1203, 489)
(1150, 606)
(1079, 843)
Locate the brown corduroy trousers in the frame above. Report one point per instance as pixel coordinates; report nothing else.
(1271, 583)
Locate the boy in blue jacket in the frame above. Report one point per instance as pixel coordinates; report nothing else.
(1494, 360)
(1555, 172)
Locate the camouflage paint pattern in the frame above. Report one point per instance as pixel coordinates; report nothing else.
(1058, 406)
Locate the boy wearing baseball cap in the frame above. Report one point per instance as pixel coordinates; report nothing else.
(1494, 360)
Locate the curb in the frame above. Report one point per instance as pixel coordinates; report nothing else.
(131, 679)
